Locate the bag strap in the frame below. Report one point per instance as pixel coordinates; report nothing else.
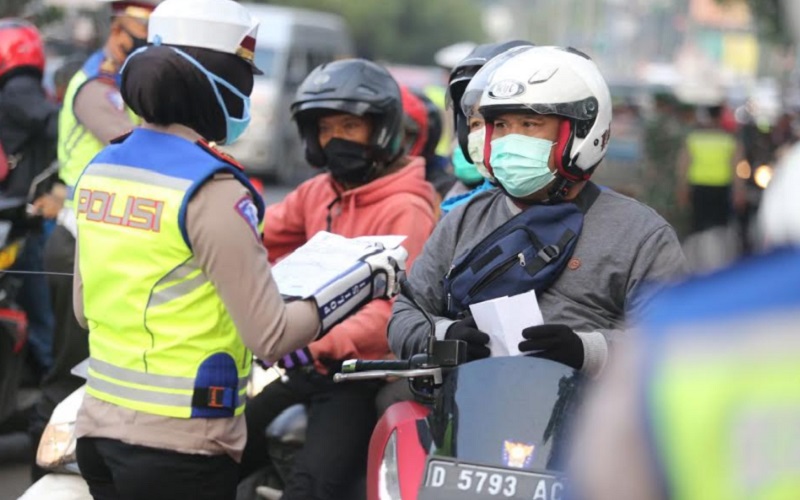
(587, 196)
(547, 254)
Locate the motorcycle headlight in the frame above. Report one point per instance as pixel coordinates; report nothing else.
(388, 475)
(763, 176)
(57, 446)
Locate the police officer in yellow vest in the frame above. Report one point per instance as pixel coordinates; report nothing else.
(172, 279)
(707, 182)
(705, 405)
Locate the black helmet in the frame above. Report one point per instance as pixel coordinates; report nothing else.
(435, 124)
(460, 77)
(354, 86)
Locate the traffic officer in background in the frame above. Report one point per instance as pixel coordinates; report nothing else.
(175, 286)
(705, 401)
(93, 114)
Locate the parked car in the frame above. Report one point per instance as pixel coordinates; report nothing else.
(290, 43)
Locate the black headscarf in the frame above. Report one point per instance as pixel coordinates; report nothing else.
(164, 88)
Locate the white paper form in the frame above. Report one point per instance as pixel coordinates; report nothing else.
(324, 257)
(504, 318)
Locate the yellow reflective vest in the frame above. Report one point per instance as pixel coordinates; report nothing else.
(76, 145)
(160, 338)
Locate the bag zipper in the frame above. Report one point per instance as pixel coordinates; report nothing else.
(502, 268)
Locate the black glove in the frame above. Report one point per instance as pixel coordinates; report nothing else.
(476, 340)
(555, 342)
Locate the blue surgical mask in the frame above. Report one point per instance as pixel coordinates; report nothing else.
(464, 170)
(520, 164)
(234, 127)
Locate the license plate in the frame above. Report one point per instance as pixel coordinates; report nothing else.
(444, 480)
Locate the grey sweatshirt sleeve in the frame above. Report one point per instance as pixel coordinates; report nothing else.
(658, 262)
(408, 328)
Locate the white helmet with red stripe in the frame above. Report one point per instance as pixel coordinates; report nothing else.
(221, 25)
(551, 81)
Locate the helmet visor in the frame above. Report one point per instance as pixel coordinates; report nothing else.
(357, 108)
(472, 94)
(489, 93)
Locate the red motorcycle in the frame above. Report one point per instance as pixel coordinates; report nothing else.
(494, 428)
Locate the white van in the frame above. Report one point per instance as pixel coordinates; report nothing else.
(290, 43)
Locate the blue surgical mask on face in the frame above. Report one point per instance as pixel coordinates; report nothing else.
(465, 171)
(234, 127)
(520, 164)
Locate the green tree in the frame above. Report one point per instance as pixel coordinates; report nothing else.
(770, 21)
(404, 31)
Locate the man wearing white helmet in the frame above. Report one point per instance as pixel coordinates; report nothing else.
(705, 403)
(592, 255)
(171, 277)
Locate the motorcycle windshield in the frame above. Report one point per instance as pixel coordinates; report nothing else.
(508, 412)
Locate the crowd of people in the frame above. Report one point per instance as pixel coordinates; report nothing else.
(150, 253)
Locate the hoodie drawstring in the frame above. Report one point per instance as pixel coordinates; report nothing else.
(329, 217)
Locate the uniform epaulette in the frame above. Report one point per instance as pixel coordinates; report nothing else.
(219, 154)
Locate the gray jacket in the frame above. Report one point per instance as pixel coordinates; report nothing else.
(624, 249)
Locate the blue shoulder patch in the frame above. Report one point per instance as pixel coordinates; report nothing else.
(248, 211)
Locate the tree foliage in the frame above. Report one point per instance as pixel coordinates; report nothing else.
(404, 31)
(770, 21)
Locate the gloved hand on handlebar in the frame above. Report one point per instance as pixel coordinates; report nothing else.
(555, 342)
(293, 360)
(297, 359)
(377, 277)
(477, 341)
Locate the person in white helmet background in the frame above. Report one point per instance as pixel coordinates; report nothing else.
(171, 278)
(705, 403)
(591, 255)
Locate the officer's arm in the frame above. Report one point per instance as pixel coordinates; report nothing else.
(77, 293)
(99, 107)
(614, 408)
(228, 248)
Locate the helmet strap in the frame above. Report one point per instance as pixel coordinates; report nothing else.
(559, 189)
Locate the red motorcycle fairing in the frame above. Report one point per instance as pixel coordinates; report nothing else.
(411, 456)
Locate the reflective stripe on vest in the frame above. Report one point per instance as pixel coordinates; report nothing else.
(711, 155)
(161, 340)
(76, 145)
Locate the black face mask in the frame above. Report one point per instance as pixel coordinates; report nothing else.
(349, 162)
(138, 43)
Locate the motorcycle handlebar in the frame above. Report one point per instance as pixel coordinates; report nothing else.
(359, 365)
(435, 373)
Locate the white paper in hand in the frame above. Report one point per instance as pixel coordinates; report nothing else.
(322, 259)
(504, 318)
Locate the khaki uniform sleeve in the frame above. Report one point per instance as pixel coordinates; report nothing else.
(99, 107)
(229, 251)
(611, 459)
(77, 293)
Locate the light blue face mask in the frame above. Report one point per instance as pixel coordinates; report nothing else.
(520, 163)
(465, 171)
(234, 127)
